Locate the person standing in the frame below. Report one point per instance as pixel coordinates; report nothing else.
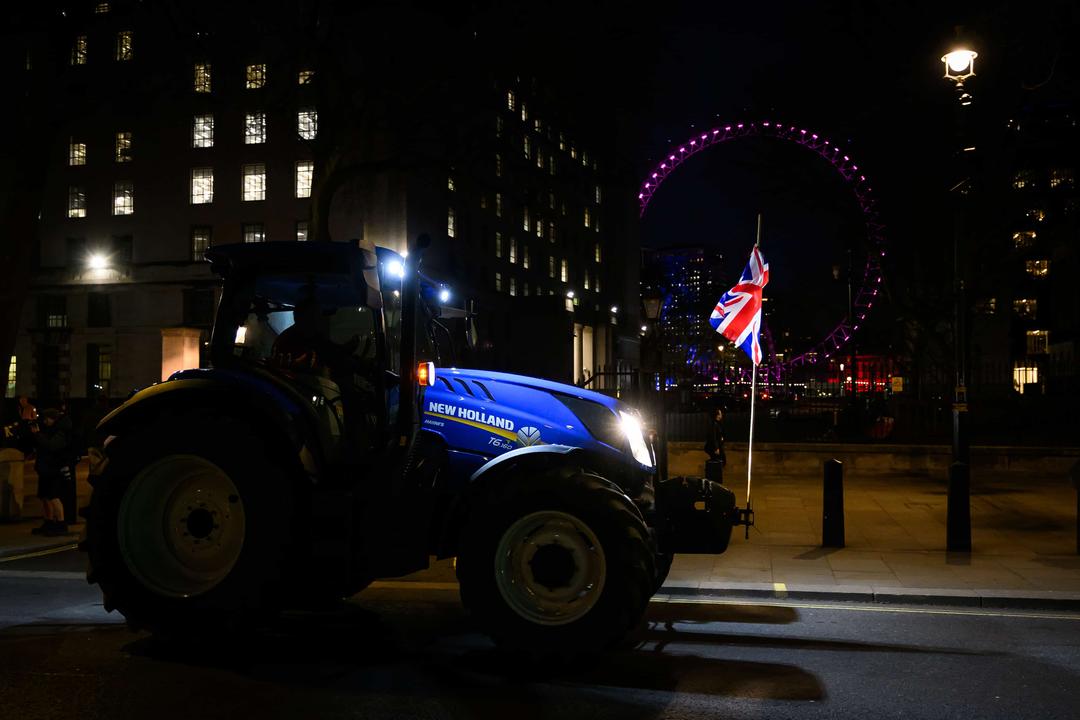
(52, 436)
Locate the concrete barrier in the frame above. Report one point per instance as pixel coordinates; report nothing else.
(685, 458)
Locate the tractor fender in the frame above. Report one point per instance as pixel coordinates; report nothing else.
(264, 406)
(505, 468)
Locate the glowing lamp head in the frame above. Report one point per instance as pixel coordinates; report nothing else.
(959, 64)
(570, 294)
(396, 268)
(614, 309)
(425, 374)
(97, 261)
(444, 295)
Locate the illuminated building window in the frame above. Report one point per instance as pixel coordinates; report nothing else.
(301, 231)
(498, 126)
(524, 113)
(202, 77)
(538, 126)
(255, 76)
(498, 165)
(202, 186)
(254, 128)
(52, 311)
(450, 183)
(540, 160)
(498, 282)
(450, 222)
(1037, 340)
(202, 131)
(200, 241)
(483, 201)
(596, 224)
(1024, 375)
(528, 147)
(1037, 268)
(78, 51)
(525, 256)
(551, 231)
(596, 253)
(125, 41)
(254, 182)
(562, 142)
(1036, 214)
(307, 123)
(513, 286)
(123, 198)
(498, 244)
(597, 283)
(1025, 307)
(986, 306)
(11, 374)
(1023, 179)
(304, 77)
(510, 100)
(1024, 239)
(588, 217)
(123, 147)
(551, 165)
(551, 200)
(551, 266)
(573, 151)
(564, 270)
(525, 219)
(512, 248)
(76, 153)
(76, 201)
(101, 8)
(498, 204)
(597, 194)
(584, 159)
(253, 232)
(1061, 178)
(586, 281)
(539, 228)
(305, 171)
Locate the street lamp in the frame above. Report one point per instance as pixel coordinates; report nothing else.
(653, 305)
(960, 66)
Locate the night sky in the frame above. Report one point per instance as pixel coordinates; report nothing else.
(867, 74)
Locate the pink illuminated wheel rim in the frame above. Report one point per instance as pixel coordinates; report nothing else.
(841, 161)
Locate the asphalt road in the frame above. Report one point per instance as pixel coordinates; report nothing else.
(408, 651)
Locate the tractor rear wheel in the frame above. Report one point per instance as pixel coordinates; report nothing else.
(187, 526)
(556, 564)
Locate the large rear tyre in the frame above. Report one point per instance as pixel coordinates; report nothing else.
(556, 564)
(187, 526)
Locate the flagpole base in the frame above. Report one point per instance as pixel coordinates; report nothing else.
(745, 517)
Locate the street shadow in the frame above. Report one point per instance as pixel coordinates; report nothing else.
(667, 613)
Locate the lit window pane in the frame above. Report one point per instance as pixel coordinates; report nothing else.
(525, 257)
(123, 147)
(254, 233)
(125, 40)
(302, 230)
(525, 225)
(200, 241)
(450, 222)
(528, 147)
(202, 186)
(101, 8)
(596, 253)
(513, 250)
(123, 198)
(307, 123)
(498, 244)
(509, 99)
(78, 51)
(76, 153)
(254, 182)
(11, 378)
(76, 202)
(498, 282)
(564, 270)
(255, 76)
(202, 131)
(498, 165)
(1025, 307)
(513, 286)
(254, 128)
(1037, 340)
(450, 183)
(498, 204)
(304, 77)
(202, 78)
(304, 173)
(1037, 268)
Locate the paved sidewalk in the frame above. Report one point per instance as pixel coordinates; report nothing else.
(16, 539)
(1023, 543)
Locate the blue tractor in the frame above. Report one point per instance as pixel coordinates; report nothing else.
(325, 449)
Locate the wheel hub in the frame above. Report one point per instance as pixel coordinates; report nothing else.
(553, 566)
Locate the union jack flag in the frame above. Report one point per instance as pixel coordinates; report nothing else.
(738, 314)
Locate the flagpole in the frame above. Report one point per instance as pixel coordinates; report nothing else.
(753, 397)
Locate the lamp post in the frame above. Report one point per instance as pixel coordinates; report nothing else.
(959, 67)
(653, 305)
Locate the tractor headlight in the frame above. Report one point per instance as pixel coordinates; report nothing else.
(638, 447)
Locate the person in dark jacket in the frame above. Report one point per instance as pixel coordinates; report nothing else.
(52, 436)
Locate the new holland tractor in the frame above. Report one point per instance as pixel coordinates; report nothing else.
(324, 450)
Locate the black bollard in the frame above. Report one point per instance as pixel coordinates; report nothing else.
(832, 506)
(958, 514)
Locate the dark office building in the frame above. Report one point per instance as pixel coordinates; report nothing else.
(184, 132)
